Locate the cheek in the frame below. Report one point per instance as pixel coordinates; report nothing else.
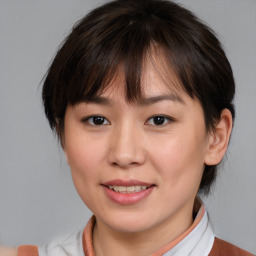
(82, 152)
(180, 160)
(84, 157)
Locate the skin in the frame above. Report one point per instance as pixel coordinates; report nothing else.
(6, 251)
(130, 146)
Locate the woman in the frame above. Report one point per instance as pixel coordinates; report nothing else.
(140, 95)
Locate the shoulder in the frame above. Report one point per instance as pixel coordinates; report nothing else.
(223, 248)
(67, 245)
(7, 251)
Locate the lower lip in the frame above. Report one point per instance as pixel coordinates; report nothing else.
(127, 198)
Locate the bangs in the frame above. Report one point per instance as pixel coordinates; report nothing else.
(122, 50)
(99, 46)
(122, 36)
(121, 46)
(131, 67)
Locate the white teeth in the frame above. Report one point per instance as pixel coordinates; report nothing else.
(127, 189)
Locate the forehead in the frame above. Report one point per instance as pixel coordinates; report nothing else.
(156, 78)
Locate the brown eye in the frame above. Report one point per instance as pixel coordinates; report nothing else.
(159, 120)
(96, 120)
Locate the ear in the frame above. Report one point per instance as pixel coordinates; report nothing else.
(219, 139)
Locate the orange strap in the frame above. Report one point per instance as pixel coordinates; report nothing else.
(28, 250)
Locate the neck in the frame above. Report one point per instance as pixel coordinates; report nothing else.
(107, 241)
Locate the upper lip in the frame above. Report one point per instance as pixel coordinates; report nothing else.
(126, 183)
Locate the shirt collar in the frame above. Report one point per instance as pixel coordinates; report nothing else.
(187, 240)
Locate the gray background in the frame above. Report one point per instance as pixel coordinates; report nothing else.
(37, 197)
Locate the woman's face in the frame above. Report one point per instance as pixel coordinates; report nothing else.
(137, 166)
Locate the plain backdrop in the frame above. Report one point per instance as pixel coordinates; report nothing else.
(37, 199)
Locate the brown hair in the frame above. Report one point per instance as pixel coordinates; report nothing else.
(123, 33)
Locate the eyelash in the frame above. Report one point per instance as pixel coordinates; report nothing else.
(166, 120)
(90, 119)
(162, 119)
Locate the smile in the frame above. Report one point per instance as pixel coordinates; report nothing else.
(127, 192)
(127, 189)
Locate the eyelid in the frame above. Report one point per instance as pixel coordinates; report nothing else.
(168, 118)
(87, 118)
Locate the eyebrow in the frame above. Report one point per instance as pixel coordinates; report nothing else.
(155, 99)
(98, 100)
(142, 102)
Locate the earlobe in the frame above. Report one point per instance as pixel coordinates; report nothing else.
(219, 139)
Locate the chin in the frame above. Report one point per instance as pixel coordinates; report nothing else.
(129, 222)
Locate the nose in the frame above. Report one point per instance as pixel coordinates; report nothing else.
(126, 147)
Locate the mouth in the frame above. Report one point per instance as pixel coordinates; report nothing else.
(129, 186)
(127, 192)
(128, 189)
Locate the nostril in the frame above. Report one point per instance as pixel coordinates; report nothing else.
(125, 164)
(124, 153)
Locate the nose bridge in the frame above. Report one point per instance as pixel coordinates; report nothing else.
(126, 147)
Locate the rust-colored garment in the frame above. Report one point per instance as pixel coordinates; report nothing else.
(223, 248)
(28, 250)
(220, 248)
